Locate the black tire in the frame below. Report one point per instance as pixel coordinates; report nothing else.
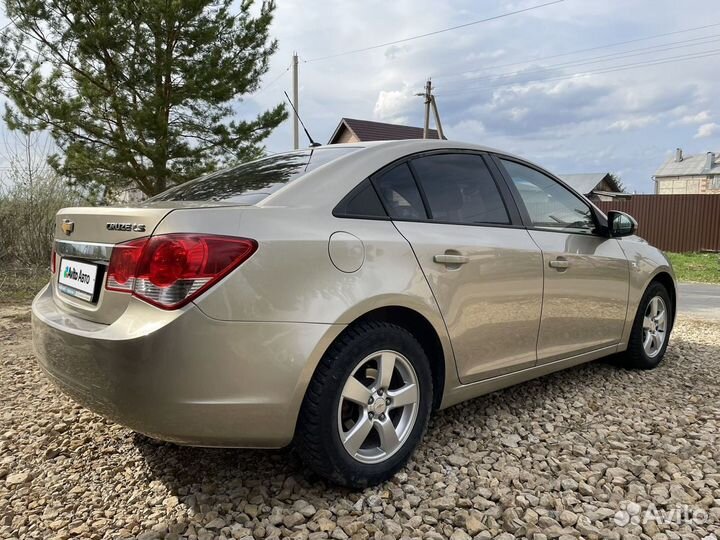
(318, 439)
(635, 356)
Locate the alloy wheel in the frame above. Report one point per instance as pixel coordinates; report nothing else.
(378, 406)
(654, 326)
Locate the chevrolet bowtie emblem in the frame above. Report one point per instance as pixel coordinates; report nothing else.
(68, 226)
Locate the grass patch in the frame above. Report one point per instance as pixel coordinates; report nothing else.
(698, 267)
(18, 285)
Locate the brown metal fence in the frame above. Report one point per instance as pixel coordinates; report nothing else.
(674, 222)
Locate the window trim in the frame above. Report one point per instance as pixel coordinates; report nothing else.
(421, 189)
(599, 219)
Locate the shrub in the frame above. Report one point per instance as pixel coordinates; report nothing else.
(27, 218)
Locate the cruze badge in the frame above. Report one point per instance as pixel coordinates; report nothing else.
(127, 227)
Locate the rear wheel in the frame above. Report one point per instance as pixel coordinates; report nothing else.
(651, 329)
(367, 405)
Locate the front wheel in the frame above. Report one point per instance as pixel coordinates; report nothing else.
(367, 405)
(651, 328)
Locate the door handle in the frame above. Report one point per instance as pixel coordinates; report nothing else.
(451, 259)
(560, 264)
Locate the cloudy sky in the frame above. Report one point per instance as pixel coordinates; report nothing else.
(567, 85)
(515, 83)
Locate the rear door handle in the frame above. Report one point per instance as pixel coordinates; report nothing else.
(560, 264)
(451, 259)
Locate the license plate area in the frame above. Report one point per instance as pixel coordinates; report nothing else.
(80, 279)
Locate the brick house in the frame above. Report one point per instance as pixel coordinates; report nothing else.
(689, 175)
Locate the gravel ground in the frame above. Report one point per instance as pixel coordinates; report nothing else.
(583, 453)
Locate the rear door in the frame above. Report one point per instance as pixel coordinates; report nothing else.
(586, 273)
(482, 266)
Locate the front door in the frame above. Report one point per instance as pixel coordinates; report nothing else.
(484, 270)
(586, 274)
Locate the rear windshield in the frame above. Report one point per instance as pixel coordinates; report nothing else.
(251, 182)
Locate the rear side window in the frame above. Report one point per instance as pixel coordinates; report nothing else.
(362, 201)
(251, 182)
(400, 194)
(460, 189)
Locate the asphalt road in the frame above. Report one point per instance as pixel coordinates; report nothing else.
(699, 301)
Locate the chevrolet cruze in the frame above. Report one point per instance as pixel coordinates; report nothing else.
(334, 297)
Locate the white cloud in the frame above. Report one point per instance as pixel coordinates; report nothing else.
(476, 56)
(467, 130)
(626, 124)
(525, 109)
(393, 105)
(707, 130)
(395, 51)
(692, 119)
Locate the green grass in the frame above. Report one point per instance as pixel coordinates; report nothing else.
(18, 285)
(698, 267)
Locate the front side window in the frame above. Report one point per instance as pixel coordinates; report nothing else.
(460, 189)
(550, 205)
(400, 194)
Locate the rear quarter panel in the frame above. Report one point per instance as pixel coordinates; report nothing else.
(291, 277)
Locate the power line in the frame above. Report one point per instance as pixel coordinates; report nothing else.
(274, 81)
(578, 51)
(624, 67)
(433, 33)
(604, 58)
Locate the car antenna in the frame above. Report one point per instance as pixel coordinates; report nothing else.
(313, 144)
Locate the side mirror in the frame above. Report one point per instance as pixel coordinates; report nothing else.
(621, 224)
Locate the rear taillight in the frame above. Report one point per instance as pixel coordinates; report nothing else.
(52, 261)
(170, 270)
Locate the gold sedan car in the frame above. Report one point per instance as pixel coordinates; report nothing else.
(334, 297)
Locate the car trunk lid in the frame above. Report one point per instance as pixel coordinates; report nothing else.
(84, 238)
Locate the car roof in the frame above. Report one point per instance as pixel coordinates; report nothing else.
(418, 145)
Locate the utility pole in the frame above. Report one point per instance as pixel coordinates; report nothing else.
(430, 102)
(296, 102)
(438, 125)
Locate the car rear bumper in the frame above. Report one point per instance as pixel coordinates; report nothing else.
(181, 376)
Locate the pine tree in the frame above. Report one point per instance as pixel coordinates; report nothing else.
(138, 92)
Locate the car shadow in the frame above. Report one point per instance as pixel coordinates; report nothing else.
(233, 483)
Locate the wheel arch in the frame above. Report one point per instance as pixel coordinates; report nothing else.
(665, 278)
(424, 331)
(667, 281)
(435, 341)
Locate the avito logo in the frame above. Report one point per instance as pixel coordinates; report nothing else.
(76, 275)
